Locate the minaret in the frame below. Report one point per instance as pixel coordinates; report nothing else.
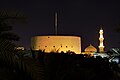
(101, 46)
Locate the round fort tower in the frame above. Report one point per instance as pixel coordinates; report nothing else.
(56, 43)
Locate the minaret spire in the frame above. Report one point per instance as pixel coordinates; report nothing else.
(56, 25)
(101, 38)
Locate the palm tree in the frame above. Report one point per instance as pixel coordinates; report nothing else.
(6, 37)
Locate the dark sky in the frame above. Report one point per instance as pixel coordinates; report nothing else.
(75, 17)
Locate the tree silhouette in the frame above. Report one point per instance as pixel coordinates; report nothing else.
(7, 53)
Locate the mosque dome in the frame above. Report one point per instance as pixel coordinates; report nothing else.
(90, 48)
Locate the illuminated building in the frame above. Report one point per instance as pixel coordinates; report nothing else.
(101, 46)
(56, 43)
(90, 50)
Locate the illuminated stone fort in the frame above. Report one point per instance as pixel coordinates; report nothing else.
(56, 43)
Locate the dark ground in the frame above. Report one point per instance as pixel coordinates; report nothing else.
(8, 73)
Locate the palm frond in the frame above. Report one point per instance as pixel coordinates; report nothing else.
(11, 16)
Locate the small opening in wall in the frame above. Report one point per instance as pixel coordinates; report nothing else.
(66, 46)
(61, 45)
(45, 46)
(53, 46)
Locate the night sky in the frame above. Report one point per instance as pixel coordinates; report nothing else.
(83, 18)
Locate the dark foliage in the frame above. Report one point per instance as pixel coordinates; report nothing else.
(64, 66)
